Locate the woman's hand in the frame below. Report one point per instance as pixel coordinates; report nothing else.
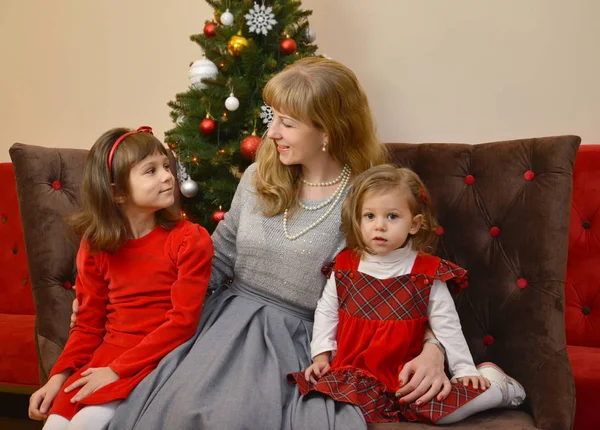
(41, 400)
(93, 379)
(423, 377)
(75, 308)
(477, 382)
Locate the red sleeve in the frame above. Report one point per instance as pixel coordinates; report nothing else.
(88, 333)
(193, 257)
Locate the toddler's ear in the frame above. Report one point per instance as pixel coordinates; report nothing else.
(417, 222)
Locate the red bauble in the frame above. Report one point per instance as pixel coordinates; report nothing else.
(171, 146)
(288, 46)
(249, 146)
(218, 216)
(210, 30)
(207, 126)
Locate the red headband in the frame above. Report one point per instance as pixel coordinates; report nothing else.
(142, 129)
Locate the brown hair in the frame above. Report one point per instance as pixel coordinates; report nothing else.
(326, 95)
(100, 222)
(381, 179)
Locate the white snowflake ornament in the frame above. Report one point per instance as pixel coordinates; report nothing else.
(260, 19)
(182, 173)
(266, 115)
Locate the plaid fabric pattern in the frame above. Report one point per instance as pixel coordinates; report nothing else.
(377, 404)
(363, 296)
(455, 276)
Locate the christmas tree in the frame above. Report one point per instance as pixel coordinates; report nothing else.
(219, 121)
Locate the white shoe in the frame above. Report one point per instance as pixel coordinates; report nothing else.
(510, 398)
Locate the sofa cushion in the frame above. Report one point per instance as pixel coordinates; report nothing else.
(491, 420)
(582, 290)
(18, 360)
(15, 289)
(585, 362)
(504, 210)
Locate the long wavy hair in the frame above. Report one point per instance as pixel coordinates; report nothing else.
(100, 222)
(382, 179)
(326, 95)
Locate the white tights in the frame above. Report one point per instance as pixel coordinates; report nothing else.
(489, 399)
(94, 417)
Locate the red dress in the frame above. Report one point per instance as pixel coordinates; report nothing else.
(381, 327)
(137, 304)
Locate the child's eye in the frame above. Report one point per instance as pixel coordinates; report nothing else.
(392, 216)
(369, 215)
(150, 171)
(167, 167)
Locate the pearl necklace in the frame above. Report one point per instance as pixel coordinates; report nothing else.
(326, 184)
(335, 197)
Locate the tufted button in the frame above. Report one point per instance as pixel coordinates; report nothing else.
(469, 179)
(495, 231)
(4, 219)
(15, 251)
(56, 185)
(529, 175)
(439, 230)
(488, 340)
(586, 224)
(67, 285)
(25, 282)
(522, 283)
(586, 310)
(339, 275)
(351, 275)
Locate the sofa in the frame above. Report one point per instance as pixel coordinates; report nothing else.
(504, 212)
(18, 360)
(582, 289)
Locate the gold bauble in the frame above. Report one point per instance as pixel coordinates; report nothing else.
(236, 45)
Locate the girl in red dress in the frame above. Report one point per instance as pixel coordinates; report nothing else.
(142, 277)
(382, 290)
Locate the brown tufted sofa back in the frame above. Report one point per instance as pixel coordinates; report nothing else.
(504, 208)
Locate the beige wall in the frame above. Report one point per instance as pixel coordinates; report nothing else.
(461, 70)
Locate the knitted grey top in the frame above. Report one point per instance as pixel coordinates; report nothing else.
(251, 250)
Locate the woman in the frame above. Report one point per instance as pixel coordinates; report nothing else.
(282, 228)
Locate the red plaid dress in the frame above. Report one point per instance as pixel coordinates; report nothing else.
(381, 327)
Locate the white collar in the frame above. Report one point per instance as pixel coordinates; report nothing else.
(395, 256)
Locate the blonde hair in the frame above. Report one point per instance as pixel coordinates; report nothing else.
(382, 179)
(326, 95)
(100, 222)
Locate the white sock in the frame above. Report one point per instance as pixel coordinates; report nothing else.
(96, 417)
(489, 399)
(56, 422)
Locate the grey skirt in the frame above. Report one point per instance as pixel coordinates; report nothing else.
(232, 375)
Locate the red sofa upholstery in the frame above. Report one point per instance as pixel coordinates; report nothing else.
(18, 358)
(582, 287)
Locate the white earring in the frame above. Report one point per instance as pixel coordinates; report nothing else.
(324, 146)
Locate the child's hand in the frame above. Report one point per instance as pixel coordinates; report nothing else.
(40, 401)
(93, 379)
(319, 367)
(478, 382)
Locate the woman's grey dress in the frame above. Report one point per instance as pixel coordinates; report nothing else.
(232, 374)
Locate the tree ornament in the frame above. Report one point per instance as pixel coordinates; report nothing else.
(249, 146)
(208, 125)
(227, 18)
(189, 188)
(210, 30)
(171, 146)
(310, 35)
(232, 103)
(266, 115)
(260, 19)
(288, 46)
(236, 45)
(218, 216)
(202, 69)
